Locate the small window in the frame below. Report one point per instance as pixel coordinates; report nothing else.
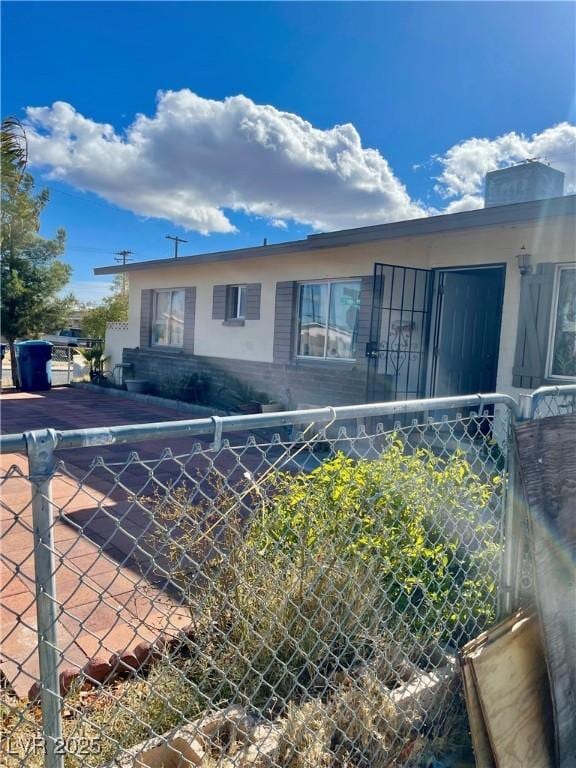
(235, 302)
(168, 319)
(562, 363)
(328, 319)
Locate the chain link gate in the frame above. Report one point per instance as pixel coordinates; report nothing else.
(275, 590)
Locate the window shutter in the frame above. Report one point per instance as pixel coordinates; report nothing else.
(189, 320)
(219, 302)
(529, 370)
(284, 319)
(253, 292)
(146, 310)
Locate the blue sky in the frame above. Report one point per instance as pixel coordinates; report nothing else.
(410, 81)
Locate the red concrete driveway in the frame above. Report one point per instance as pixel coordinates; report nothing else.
(110, 595)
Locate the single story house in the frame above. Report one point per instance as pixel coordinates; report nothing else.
(477, 301)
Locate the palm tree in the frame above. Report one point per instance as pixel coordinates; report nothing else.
(95, 358)
(14, 147)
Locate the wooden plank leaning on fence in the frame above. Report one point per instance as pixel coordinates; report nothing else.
(547, 464)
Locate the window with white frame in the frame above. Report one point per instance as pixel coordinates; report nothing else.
(328, 319)
(235, 302)
(562, 357)
(168, 318)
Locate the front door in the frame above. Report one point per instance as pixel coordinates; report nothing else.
(398, 348)
(467, 331)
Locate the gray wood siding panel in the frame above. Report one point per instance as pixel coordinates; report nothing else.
(146, 309)
(253, 296)
(529, 370)
(189, 320)
(284, 318)
(219, 302)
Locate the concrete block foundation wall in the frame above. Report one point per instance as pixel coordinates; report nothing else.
(296, 383)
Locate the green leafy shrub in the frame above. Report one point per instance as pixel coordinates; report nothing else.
(419, 524)
(193, 388)
(330, 569)
(96, 360)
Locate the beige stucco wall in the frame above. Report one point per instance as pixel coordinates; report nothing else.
(551, 240)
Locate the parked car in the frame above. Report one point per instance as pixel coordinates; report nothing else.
(71, 337)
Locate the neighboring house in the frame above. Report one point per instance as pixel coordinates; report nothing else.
(468, 302)
(76, 316)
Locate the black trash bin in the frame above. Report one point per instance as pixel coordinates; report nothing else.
(34, 360)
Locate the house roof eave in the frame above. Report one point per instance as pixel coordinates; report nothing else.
(495, 216)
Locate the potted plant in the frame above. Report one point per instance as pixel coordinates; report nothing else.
(267, 405)
(237, 397)
(137, 385)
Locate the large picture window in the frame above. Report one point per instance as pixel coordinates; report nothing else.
(328, 319)
(563, 350)
(168, 322)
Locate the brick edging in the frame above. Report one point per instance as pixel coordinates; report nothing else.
(121, 664)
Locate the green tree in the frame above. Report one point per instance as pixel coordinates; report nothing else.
(14, 148)
(113, 309)
(31, 272)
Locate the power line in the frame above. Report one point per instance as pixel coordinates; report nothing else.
(176, 241)
(123, 257)
(77, 196)
(73, 247)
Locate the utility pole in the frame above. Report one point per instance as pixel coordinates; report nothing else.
(176, 241)
(123, 257)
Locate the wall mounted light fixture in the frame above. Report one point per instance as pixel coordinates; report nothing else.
(523, 259)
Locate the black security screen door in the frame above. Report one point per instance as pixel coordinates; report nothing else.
(399, 329)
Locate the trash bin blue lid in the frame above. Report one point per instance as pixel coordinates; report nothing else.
(34, 343)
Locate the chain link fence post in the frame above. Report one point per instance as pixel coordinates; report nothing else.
(504, 602)
(525, 407)
(513, 528)
(41, 460)
(516, 523)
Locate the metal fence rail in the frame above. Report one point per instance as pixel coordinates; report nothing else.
(279, 590)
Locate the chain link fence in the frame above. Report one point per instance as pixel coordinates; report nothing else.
(275, 590)
(552, 401)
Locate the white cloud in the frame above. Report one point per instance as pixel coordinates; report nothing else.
(465, 165)
(197, 158)
(465, 203)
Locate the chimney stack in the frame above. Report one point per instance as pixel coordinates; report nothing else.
(530, 180)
